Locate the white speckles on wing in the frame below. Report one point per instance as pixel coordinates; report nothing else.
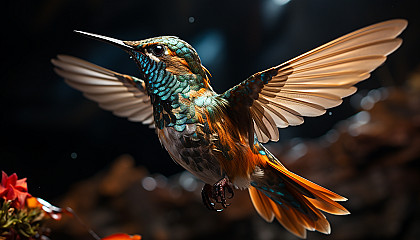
(204, 100)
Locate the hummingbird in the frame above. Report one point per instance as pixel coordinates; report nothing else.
(219, 137)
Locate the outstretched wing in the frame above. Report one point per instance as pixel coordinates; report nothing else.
(124, 95)
(314, 81)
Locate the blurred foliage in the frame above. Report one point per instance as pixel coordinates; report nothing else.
(19, 223)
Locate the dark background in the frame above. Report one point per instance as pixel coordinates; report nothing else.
(55, 137)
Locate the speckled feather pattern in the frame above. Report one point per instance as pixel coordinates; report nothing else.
(219, 135)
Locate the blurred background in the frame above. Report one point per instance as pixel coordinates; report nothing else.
(118, 177)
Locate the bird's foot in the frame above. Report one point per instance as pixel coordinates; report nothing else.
(217, 194)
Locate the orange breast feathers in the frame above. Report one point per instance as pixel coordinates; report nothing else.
(228, 143)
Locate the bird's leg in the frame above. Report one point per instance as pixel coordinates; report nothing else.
(220, 188)
(217, 194)
(207, 196)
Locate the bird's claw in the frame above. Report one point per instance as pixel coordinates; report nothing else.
(212, 195)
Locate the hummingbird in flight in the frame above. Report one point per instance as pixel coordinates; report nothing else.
(218, 137)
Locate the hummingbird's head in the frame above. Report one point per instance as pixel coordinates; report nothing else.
(175, 55)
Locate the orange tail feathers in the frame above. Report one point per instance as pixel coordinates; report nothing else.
(294, 201)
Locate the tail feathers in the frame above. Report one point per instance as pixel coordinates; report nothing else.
(305, 183)
(297, 222)
(294, 201)
(262, 204)
(290, 218)
(322, 198)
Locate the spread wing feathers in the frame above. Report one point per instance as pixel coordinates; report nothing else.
(314, 81)
(124, 95)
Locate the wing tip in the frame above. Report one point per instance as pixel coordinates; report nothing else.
(402, 23)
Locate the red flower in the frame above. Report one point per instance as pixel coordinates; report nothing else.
(122, 236)
(13, 189)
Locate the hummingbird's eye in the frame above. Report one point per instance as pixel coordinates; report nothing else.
(157, 50)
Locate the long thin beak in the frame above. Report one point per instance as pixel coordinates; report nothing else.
(109, 40)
